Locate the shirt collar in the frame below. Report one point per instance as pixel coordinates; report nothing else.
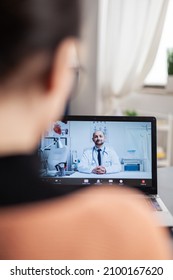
(102, 148)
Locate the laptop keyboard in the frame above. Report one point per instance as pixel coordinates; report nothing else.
(155, 204)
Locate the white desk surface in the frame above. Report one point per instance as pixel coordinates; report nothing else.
(119, 175)
(127, 174)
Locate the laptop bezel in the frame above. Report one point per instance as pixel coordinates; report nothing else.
(147, 190)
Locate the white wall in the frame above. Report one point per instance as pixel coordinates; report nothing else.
(158, 103)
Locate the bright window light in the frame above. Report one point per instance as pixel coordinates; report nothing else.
(158, 73)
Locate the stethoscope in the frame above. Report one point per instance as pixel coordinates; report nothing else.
(94, 149)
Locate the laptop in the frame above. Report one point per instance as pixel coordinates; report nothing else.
(127, 156)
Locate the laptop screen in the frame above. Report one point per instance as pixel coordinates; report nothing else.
(86, 150)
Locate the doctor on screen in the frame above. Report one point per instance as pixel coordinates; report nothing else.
(100, 159)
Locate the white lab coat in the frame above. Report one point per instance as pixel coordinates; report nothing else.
(109, 159)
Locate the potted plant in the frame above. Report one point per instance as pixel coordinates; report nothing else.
(170, 70)
(130, 113)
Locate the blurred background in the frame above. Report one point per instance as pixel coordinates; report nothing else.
(127, 64)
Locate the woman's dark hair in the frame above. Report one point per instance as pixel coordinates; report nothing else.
(30, 26)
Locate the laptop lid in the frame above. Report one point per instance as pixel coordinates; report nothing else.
(70, 155)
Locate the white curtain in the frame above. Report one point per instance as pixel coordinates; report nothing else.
(129, 35)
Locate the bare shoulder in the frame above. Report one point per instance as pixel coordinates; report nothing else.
(95, 223)
(113, 223)
(118, 224)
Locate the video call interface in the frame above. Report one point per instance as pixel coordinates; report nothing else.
(97, 152)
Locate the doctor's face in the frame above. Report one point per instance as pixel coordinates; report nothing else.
(98, 138)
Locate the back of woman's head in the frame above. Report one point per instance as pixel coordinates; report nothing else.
(28, 27)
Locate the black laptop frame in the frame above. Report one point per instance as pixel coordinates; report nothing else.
(147, 190)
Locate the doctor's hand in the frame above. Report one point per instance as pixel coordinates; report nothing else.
(99, 170)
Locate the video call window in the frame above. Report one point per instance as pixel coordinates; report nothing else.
(88, 149)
